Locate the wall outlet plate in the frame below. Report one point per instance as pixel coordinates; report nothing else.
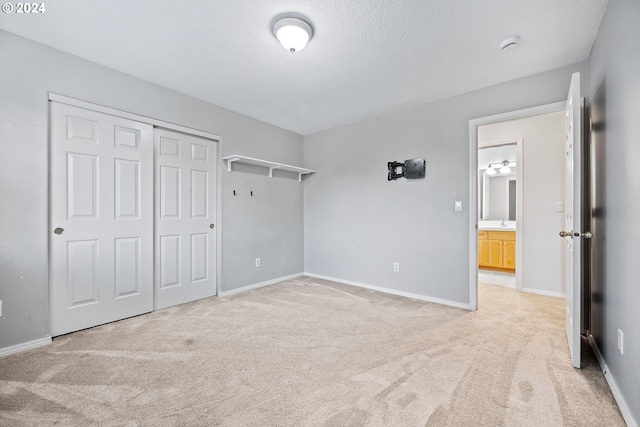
(396, 267)
(257, 262)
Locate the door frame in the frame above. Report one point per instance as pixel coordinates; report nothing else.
(215, 138)
(473, 183)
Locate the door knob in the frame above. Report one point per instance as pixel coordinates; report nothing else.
(585, 234)
(58, 230)
(566, 234)
(212, 225)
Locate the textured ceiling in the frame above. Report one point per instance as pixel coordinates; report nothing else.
(367, 57)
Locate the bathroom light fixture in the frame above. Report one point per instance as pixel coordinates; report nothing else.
(505, 167)
(292, 33)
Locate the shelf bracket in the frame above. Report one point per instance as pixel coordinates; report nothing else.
(271, 168)
(229, 161)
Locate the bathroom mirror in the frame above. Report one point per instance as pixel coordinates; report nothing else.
(497, 182)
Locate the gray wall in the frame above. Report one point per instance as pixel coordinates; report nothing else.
(615, 59)
(268, 225)
(357, 224)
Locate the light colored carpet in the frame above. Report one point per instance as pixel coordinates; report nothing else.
(309, 352)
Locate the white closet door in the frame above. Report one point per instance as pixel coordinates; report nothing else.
(185, 248)
(101, 241)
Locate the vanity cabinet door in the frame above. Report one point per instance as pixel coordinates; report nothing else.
(495, 253)
(483, 252)
(509, 254)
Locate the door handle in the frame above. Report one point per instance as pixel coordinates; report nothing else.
(585, 234)
(212, 225)
(566, 234)
(58, 230)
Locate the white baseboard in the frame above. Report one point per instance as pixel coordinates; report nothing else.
(258, 285)
(613, 385)
(545, 293)
(393, 291)
(25, 346)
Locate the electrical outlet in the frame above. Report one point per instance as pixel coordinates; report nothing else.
(396, 267)
(621, 341)
(457, 206)
(257, 262)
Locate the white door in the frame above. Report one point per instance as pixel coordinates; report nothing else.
(573, 228)
(185, 250)
(101, 212)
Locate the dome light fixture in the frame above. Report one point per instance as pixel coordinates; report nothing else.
(292, 33)
(505, 167)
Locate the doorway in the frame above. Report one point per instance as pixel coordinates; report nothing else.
(542, 213)
(500, 217)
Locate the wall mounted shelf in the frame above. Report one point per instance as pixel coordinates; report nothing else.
(267, 164)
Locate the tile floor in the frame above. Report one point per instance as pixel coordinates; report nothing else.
(499, 278)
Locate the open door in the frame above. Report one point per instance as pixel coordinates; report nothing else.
(573, 217)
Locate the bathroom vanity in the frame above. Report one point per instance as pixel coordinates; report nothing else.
(497, 248)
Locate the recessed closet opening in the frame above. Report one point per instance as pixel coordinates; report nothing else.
(133, 215)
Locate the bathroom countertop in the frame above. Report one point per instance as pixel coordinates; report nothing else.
(497, 228)
(496, 225)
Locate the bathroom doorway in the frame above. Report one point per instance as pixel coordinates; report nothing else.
(538, 170)
(500, 193)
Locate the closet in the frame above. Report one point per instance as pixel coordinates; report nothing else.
(132, 217)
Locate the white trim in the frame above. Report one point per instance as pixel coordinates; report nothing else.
(393, 291)
(613, 385)
(218, 218)
(473, 184)
(543, 292)
(131, 116)
(25, 346)
(259, 285)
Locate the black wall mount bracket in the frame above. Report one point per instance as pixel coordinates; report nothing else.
(409, 169)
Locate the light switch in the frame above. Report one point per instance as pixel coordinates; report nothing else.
(559, 206)
(457, 206)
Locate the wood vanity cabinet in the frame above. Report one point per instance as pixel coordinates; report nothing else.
(497, 250)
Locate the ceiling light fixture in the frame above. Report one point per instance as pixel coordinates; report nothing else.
(503, 167)
(510, 43)
(292, 33)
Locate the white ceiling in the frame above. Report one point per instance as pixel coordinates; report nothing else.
(367, 57)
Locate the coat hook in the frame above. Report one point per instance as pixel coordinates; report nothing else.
(234, 192)
(252, 193)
